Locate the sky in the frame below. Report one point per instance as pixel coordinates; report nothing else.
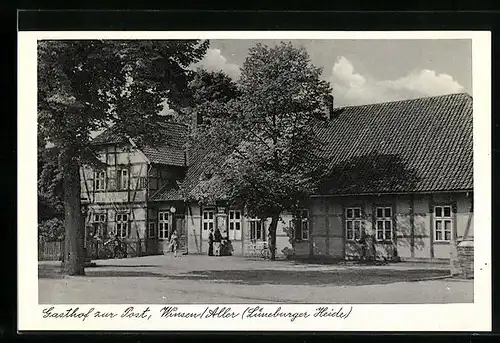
(369, 71)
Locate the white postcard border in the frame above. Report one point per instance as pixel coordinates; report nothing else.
(405, 317)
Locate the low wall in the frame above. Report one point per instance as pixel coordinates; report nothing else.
(466, 259)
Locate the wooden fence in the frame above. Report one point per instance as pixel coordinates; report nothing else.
(54, 251)
(50, 251)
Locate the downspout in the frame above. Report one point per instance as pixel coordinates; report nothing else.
(147, 200)
(469, 220)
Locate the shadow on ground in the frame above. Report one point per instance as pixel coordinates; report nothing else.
(55, 272)
(126, 266)
(342, 277)
(328, 278)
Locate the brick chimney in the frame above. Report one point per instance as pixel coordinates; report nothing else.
(199, 118)
(328, 103)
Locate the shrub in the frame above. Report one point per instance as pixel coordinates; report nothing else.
(51, 229)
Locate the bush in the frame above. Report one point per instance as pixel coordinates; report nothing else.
(51, 229)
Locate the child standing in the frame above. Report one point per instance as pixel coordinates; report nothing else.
(174, 242)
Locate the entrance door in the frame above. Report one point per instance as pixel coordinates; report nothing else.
(208, 220)
(164, 230)
(234, 225)
(384, 233)
(181, 232)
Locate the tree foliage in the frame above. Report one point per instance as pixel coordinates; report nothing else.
(51, 229)
(209, 92)
(84, 86)
(88, 85)
(267, 154)
(49, 186)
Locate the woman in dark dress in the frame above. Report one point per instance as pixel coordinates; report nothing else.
(211, 243)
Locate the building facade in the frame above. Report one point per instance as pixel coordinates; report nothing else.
(116, 194)
(401, 187)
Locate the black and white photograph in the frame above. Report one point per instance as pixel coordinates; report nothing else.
(255, 171)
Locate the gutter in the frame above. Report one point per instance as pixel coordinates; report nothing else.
(389, 193)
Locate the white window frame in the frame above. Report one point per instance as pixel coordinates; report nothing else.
(122, 225)
(303, 221)
(152, 233)
(352, 220)
(253, 224)
(99, 218)
(163, 224)
(207, 222)
(100, 180)
(123, 179)
(383, 221)
(440, 221)
(235, 224)
(143, 182)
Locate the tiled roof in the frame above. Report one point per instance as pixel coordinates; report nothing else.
(169, 153)
(173, 151)
(418, 145)
(109, 136)
(192, 180)
(168, 192)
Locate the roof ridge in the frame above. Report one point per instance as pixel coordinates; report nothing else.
(406, 100)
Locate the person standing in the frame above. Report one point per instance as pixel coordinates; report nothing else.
(217, 240)
(211, 243)
(174, 242)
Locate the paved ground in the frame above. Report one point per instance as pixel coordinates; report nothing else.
(203, 279)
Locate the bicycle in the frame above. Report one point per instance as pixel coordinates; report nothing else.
(265, 252)
(112, 248)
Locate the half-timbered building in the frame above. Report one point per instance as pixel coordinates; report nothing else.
(401, 187)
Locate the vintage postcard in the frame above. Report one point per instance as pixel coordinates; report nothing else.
(262, 181)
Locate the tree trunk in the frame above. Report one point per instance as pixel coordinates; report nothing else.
(272, 236)
(73, 223)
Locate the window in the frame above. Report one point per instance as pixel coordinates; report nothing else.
(163, 224)
(143, 182)
(122, 225)
(257, 231)
(208, 220)
(442, 223)
(234, 225)
(111, 158)
(153, 179)
(383, 223)
(99, 223)
(152, 230)
(123, 179)
(353, 223)
(153, 183)
(100, 181)
(301, 225)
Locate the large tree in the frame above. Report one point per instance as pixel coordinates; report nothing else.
(88, 85)
(209, 91)
(267, 155)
